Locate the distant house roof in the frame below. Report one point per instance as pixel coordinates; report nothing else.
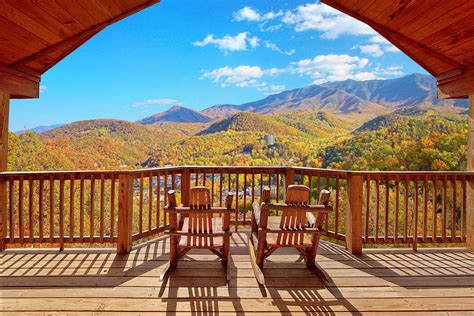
(438, 35)
(36, 35)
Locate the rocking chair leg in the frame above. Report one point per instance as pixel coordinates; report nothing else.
(253, 260)
(319, 272)
(165, 270)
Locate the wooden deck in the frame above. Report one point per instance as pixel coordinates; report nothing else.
(397, 281)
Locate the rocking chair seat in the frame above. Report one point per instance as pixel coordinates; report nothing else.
(216, 241)
(274, 240)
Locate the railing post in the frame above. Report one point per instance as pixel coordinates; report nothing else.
(4, 116)
(125, 214)
(185, 186)
(289, 176)
(355, 184)
(470, 184)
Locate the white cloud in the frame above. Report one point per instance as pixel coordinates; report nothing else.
(155, 102)
(389, 71)
(241, 76)
(276, 48)
(330, 22)
(377, 46)
(271, 89)
(250, 14)
(230, 43)
(331, 67)
(371, 49)
(320, 69)
(43, 88)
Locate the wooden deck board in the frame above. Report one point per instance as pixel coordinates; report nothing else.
(97, 280)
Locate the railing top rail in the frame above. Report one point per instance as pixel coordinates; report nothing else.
(232, 169)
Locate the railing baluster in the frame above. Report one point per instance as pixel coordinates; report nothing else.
(101, 214)
(81, 208)
(112, 208)
(51, 208)
(453, 213)
(405, 217)
(21, 226)
(158, 200)
(71, 207)
(425, 208)
(30, 209)
(463, 209)
(387, 208)
(444, 211)
(150, 199)
(91, 215)
(377, 209)
(435, 208)
(11, 207)
(415, 222)
(367, 205)
(40, 208)
(61, 213)
(397, 206)
(140, 207)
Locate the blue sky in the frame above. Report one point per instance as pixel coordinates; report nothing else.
(201, 53)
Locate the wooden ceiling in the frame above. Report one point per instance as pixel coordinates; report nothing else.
(438, 35)
(37, 34)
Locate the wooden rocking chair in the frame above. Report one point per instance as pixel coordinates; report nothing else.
(299, 226)
(197, 227)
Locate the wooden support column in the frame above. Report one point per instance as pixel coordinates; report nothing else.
(125, 214)
(470, 184)
(289, 177)
(185, 186)
(355, 184)
(4, 113)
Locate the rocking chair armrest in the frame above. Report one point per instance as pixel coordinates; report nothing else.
(303, 208)
(187, 209)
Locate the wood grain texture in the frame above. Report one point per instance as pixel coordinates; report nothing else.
(438, 36)
(398, 281)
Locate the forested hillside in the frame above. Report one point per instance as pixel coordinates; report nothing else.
(406, 139)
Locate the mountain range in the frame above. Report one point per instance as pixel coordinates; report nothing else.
(360, 100)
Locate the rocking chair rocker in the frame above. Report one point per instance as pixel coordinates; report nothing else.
(197, 227)
(299, 226)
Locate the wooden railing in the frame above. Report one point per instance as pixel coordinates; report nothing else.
(122, 207)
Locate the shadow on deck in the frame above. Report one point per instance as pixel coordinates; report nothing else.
(99, 280)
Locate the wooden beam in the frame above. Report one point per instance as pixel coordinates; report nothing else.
(78, 39)
(4, 113)
(470, 185)
(19, 84)
(393, 36)
(125, 214)
(459, 86)
(355, 185)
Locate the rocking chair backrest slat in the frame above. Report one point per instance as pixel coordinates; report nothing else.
(200, 198)
(292, 220)
(199, 222)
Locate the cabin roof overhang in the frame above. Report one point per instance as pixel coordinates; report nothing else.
(438, 35)
(36, 35)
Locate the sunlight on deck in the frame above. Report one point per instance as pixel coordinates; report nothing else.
(99, 280)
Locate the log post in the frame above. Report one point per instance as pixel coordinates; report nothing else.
(185, 186)
(4, 115)
(125, 214)
(289, 177)
(355, 184)
(174, 240)
(470, 184)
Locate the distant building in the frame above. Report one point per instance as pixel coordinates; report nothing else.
(269, 140)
